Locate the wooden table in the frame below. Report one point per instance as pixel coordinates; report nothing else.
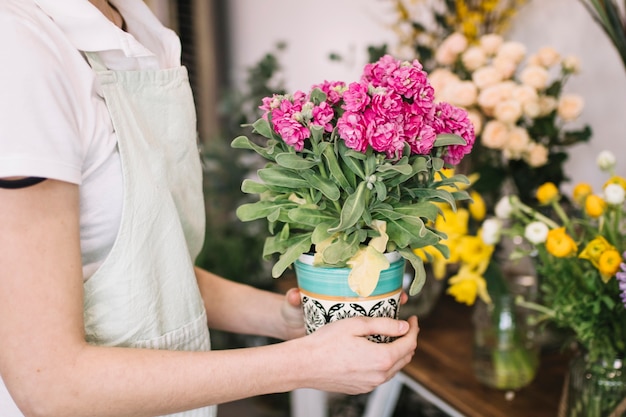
(442, 365)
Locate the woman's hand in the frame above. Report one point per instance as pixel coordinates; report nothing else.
(340, 358)
(292, 315)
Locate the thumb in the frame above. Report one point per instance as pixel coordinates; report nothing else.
(293, 297)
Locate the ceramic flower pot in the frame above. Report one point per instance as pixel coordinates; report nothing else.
(327, 297)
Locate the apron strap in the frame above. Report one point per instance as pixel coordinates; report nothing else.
(95, 61)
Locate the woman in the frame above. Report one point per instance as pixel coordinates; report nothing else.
(102, 311)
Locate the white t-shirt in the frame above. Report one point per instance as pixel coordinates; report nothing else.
(53, 123)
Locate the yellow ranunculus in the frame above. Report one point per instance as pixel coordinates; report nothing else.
(609, 263)
(560, 244)
(595, 249)
(581, 191)
(468, 284)
(477, 208)
(594, 206)
(547, 193)
(616, 180)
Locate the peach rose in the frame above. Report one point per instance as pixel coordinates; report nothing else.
(515, 51)
(450, 48)
(508, 111)
(547, 104)
(495, 135)
(535, 76)
(524, 94)
(548, 56)
(490, 43)
(518, 142)
(486, 76)
(570, 107)
(439, 79)
(477, 120)
(531, 108)
(536, 155)
(473, 58)
(462, 93)
(571, 64)
(505, 65)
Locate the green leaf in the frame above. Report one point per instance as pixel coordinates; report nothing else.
(447, 139)
(263, 128)
(252, 187)
(410, 231)
(404, 168)
(353, 209)
(327, 187)
(334, 168)
(320, 233)
(309, 216)
(258, 210)
(340, 250)
(293, 161)
(282, 178)
(419, 277)
(381, 190)
(350, 158)
(300, 245)
(317, 96)
(242, 142)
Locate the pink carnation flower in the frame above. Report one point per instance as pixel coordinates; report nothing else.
(323, 115)
(355, 98)
(332, 89)
(451, 119)
(351, 129)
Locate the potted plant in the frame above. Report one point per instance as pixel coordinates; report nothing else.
(352, 172)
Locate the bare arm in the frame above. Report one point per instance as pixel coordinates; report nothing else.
(51, 371)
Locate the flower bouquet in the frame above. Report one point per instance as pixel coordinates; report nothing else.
(524, 120)
(351, 171)
(579, 257)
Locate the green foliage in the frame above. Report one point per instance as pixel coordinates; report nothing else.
(329, 190)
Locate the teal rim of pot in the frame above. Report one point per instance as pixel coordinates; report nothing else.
(334, 281)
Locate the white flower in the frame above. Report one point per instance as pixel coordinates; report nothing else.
(536, 232)
(477, 120)
(614, 194)
(518, 142)
(505, 65)
(606, 160)
(491, 230)
(503, 208)
(547, 104)
(450, 48)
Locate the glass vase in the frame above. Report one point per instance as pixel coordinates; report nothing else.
(505, 355)
(594, 388)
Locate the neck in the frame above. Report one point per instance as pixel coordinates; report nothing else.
(109, 11)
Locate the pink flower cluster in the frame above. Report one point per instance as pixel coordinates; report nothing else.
(392, 105)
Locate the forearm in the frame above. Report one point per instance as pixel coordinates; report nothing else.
(100, 381)
(240, 308)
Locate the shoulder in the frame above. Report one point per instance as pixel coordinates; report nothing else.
(45, 85)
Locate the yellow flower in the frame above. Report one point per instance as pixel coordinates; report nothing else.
(594, 206)
(475, 252)
(547, 193)
(581, 192)
(477, 208)
(609, 263)
(595, 249)
(616, 180)
(560, 244)
(468, 284)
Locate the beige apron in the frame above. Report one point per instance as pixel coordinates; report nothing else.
(145, 294)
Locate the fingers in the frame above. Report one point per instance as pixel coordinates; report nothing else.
(384, 326)
(293, 297)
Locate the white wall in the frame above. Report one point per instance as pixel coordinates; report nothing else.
(313, 29)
